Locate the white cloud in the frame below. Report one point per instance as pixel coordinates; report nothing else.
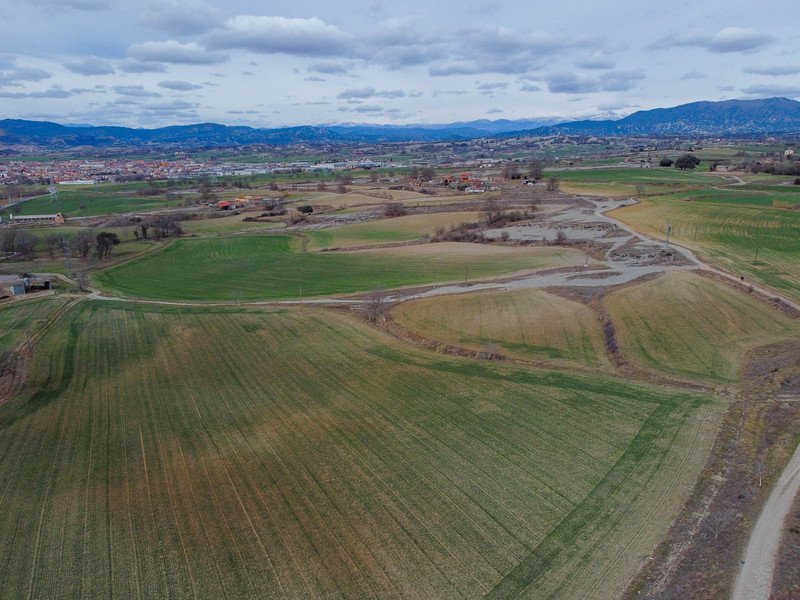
(280, 35)
(172, 51)
(91, 65)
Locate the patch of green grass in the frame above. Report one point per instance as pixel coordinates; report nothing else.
(270, 267)
(175, 451)
(528, 323)
(728, 235)
(693, 327)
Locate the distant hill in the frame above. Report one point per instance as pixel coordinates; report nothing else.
(727, 118)
(44, 134)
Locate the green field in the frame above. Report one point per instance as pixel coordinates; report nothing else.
(269, 267)
(180, 452)
(92, 201)
(17, 318)
(529, 323)
(694, 327)
(383, 231)
(728, 235)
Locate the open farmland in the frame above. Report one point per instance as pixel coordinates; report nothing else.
(224, 452)
(623, 182)
(269, 267)
(529, 323)
(383, 231)
(85, 201)
(693, 326)
(17, 317)
(728, 235)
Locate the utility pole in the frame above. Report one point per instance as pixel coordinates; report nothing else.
(66, 256)
(669, 229)
(755, 260)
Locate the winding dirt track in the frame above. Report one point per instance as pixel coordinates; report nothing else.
(755, 577)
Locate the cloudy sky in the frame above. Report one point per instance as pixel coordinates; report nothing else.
(149, 63)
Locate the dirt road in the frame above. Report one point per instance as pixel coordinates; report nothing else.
(755, 577)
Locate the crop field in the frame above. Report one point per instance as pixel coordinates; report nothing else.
(270, 267)
(623, 182)
(91, 202)
(692, 326)
(397, 229)
(30, 315)
(230, 452)
(529, 323)
(728, 236)
(230, 224)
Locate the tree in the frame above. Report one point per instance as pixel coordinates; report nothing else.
(53, 243)
(665, 162)
(686, 161)
(166, 226)
(26, 243)
(510, 170)
(761, 469)
(375, 305)
(490, 211)
(8, 241)
(84, 242)
(144, 227)
(105, 242)
(306, 209)
(552, 184)
(535, 168)
(427, 173)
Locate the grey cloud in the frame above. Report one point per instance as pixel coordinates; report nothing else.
(136, 91)
(172, 51)
(180, 18)
(773, 70)
(595, 61)
(314, 79)
(365, 108)
(20, 74)
(730, 39)
(529, 87)
(131, 65)
(613, 81)
(179, 86)
(280, 35)
(694, 75)
(78, 4)
(569, 83)
(370, 92)
(493, 111)
(91, 65)
(54, 92)
(790, 91)
(328, 68)
(493, 86)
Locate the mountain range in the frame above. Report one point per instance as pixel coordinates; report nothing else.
(725, 118)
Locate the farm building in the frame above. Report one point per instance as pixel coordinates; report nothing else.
(56, 218)
(11, 285)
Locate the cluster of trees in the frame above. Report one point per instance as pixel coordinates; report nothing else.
(534, 169)
(159, 228)
(23, 243)
(683, 162)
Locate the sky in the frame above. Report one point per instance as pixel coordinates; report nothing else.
(148, 63)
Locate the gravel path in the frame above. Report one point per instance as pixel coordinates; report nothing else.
(755, 577)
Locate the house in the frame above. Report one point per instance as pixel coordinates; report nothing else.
(11, 285)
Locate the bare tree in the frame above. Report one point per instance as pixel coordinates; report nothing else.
(761, 469)
(552, 184)
(719, 522)
(491, 211)
(26, 243)
(535, 168)
(376, 304)
(84, 242)
(640, 188)
(510, 170)
(53, 243)
(83, 281)
(8, 240)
